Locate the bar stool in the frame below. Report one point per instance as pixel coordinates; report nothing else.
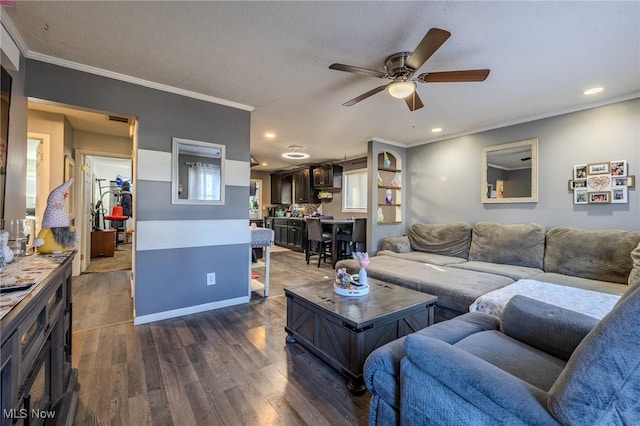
(354, 241)
(318, 242)
(116, 216)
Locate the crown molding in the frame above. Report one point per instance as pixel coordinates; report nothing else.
(627, 97)
(27, 53)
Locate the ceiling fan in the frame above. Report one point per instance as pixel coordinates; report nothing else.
(401, 67)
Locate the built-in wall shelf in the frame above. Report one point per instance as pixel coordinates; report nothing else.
(389, 189)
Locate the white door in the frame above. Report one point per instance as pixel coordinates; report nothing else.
(87, 205)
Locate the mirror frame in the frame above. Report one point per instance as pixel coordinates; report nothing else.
(533, 143)
(176, 144)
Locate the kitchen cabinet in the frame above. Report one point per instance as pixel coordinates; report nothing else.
(325, 177)
(289, 232)
(281, 188)
(276, 188)
(304, 193)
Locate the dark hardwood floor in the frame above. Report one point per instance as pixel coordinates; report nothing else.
(229, 366)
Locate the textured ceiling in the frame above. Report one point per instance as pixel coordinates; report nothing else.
(274, 56)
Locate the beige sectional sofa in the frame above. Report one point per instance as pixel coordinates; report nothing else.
(459, 262)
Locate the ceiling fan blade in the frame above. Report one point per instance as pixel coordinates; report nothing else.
(454, 76)
(413, 101)
(357, 70)
(364, 96)
(429, 44)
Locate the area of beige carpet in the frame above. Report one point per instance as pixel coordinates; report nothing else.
(121, 261)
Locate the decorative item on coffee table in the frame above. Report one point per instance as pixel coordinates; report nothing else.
(353, 285)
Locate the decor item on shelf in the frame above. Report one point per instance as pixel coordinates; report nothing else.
(325, 195)
(604, 182)
(395, 182)
(389, 198)
(379, 179)
(56, 236)
(380, 215)
(386, 163)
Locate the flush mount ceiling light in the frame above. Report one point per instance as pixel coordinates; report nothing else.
(270, 135)
(593, 91)
(436, 129)
(294, 153)
(401, 89)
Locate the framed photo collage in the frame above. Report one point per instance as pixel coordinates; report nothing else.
(606, 182)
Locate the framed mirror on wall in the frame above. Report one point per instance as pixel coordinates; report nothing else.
(197, 172)
(510, 173)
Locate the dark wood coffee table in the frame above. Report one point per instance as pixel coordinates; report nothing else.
(343, 331)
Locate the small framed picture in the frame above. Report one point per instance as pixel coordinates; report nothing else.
(603, 197)
(598, 168)
(617, 182)
(619, 196)
(580, 171)
(632, 181)
(577, 183)
(580, 196)
(619, 168)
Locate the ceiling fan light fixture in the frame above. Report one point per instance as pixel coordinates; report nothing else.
(401, 89)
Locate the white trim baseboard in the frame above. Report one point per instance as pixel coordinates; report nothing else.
(158, 316)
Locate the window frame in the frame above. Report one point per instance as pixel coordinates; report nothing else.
(345, 190)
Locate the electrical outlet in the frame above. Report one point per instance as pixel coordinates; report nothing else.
(211, 278)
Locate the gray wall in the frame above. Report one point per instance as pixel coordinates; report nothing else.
(444, 177)
(16, 183)
(173, 256)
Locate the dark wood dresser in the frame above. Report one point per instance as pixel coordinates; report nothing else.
(37, 383)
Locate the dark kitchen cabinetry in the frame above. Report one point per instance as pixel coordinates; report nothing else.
(304, 193)
(281, 187)
(325, 177)
(289, 232)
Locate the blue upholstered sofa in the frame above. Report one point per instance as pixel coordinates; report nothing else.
(545, 365)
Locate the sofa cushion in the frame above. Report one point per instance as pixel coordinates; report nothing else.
(601, 381)
(527, 363)
(550, 328)
(511, 244)
(584, 283)
(396, 244)
(634, 275)
(512, 271)
(421, 256)
(382, 366)
(451, 239)
(456, 288)
(598, 255)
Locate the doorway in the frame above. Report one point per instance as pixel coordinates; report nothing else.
(100, 145)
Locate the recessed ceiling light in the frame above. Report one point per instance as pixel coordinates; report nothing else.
(593, 90)
(436, 129)
(294, 153)
(270, 135)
